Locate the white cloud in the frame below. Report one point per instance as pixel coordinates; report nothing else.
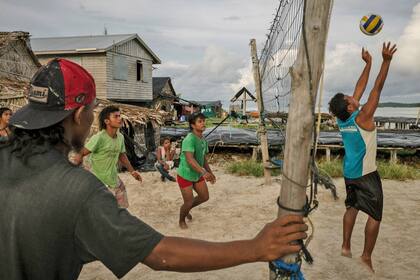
(170, 67)
(342, 65)
(408, 46)
(214, 77)
(246, 79)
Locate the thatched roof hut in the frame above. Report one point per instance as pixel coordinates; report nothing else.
(141, 129)
(13, 93)
(17, 60)
(135, 114)
(17, 64)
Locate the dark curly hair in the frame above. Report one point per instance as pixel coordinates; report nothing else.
(338, 107)
(104, 114)
(27, 143)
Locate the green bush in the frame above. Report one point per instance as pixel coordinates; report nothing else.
(396, 171)
(334, 168)
(387, 170)
(249, 168)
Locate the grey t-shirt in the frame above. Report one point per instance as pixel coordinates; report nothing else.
(55, 217)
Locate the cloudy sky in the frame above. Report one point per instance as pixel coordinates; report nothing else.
(204, 45)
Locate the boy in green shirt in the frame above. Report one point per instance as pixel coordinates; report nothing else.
(194, 170)
(106, 149)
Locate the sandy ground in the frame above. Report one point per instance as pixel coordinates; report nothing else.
(240, 206)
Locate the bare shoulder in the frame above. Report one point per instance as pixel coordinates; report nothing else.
(365, 122)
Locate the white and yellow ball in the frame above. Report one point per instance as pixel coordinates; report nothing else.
(371, 24)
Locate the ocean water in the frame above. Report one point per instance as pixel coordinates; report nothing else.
(397, 112)
(393, 112)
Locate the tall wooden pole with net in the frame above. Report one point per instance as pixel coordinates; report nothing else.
(305, 73)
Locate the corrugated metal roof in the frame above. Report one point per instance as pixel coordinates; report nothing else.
(209, 103)
(84, 44)
(99, 42)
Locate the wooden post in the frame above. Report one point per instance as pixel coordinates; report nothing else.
(244, 104)
(328, 154)
(261, 129)
(393, 158)
(255, 152)
(300, 122)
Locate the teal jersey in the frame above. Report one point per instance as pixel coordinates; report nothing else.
(360, 148)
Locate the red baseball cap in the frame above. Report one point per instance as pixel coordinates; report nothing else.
(56, 90)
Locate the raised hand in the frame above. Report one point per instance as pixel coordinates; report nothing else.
(366, 56)
(388, 51)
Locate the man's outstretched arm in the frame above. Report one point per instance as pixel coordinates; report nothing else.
(364, 77)
(368, 110)
(189, 255)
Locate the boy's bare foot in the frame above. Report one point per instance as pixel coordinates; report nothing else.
(346, 253)
(368, 263)
(183, 225)
(189, 217)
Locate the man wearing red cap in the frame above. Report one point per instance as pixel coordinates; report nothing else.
(55, 217)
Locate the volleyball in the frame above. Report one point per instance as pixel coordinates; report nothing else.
(371, 24)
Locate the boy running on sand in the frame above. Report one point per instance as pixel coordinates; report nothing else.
(194, 170)
(107, 148)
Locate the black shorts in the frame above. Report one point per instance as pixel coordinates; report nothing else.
(365, 194)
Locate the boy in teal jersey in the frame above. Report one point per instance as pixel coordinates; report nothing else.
(106, 149)
(194, 170)
(358, 131)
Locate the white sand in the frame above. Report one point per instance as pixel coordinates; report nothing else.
(240, 206)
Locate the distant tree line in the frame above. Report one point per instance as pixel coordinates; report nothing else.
(396, 104)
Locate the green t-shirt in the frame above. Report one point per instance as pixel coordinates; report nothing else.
(197, 146)
(105, 152)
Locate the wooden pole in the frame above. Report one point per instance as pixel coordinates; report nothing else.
(328, 154)
(393, 158)
(261, 129)
(244, 104)
(299, 131)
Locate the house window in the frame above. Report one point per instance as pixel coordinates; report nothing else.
(139, 71)
(120, 68)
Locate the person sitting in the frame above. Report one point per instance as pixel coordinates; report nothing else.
(165, 155)
(5, 114)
